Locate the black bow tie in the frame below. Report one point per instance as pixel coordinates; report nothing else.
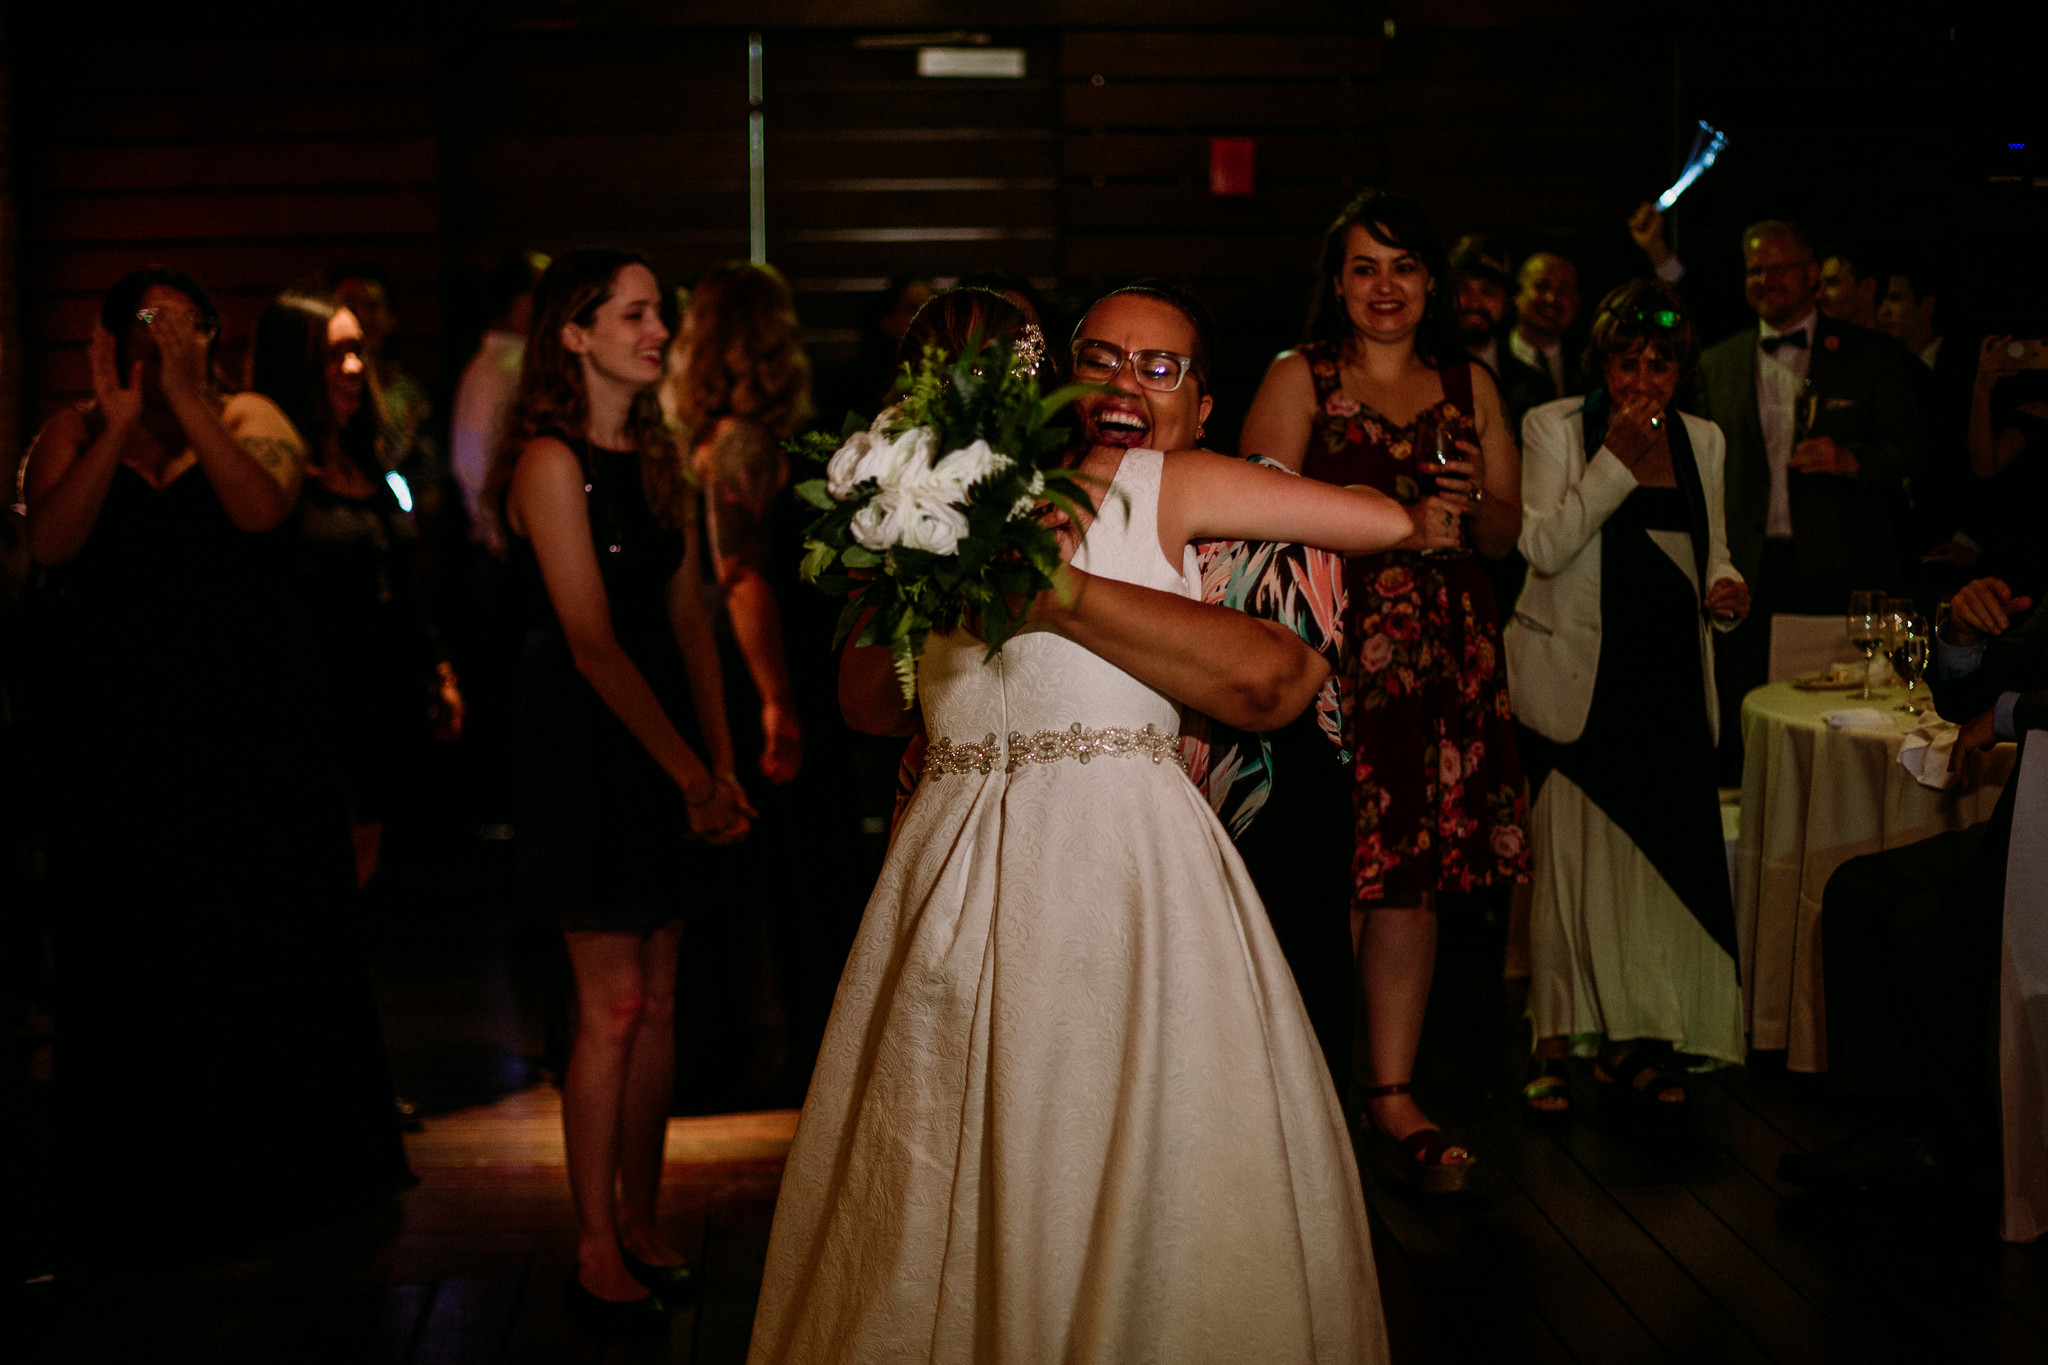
(1771, 344)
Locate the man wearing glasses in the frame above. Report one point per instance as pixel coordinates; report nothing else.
(1822, 434)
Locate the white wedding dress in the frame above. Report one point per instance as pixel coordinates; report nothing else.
(1069, 1107)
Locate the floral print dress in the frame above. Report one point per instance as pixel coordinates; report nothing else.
(1437, 788)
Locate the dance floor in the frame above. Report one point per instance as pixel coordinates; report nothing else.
(1602, 1241)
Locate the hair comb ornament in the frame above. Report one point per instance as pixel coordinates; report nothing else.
(1030, 351)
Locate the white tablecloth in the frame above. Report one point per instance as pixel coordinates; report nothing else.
(1813, 798)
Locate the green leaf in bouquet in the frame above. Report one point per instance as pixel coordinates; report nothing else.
(818, 557)
(859, 557)
(814, 492)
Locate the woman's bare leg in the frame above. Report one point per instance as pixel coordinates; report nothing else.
(1396, 962)
(609, 1002)
(650, 1080)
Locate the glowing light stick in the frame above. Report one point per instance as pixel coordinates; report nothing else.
(1706, 145)
(399, 490)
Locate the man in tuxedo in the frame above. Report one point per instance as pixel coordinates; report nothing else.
(1546, 306)
(1822, 433)
(1910, 936)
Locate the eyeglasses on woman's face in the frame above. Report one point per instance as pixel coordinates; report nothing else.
(1098, 362)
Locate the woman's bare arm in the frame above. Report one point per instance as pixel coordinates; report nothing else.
(1496, 522)
(741, 480)
(1213, 497)
(690, 619)
(248, 450)
(1243, 670)
(1283, 412)
(870, 699)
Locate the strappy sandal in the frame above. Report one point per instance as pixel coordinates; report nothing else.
(1420, 1159)
(1550, 1078)
(1640, 1075)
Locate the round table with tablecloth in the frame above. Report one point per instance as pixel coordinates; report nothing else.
(1813, 797)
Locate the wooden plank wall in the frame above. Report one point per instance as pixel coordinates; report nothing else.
(252, 163)
(257, 161)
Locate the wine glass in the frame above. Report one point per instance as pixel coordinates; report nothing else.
(1866, 630)
(1909, 657)
(1435, 447)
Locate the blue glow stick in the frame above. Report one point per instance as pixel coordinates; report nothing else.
(399, 490)
(1706, 145)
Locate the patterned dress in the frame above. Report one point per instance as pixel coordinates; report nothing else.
(1302, 588)
(1438, 790)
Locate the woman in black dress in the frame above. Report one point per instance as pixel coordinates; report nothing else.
(221, 1065)
(623, 752)
(387, 683)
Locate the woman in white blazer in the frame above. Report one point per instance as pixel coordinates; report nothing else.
(1611, 667)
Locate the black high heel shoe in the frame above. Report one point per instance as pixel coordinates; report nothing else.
(672, 1283)
(610, 1319)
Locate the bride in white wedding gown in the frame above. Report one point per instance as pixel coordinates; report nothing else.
(1069, 1106)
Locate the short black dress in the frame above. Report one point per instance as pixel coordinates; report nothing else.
(600, 831)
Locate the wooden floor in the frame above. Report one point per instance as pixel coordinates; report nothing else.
(1600, 1241)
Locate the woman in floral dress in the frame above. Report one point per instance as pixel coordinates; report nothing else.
(1437, 792)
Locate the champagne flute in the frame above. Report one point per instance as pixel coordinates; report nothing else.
(1909, 657)
(1865, 631)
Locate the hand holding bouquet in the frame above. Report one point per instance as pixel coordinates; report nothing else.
(931, 517)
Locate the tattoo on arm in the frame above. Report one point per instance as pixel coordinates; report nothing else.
(278, 456)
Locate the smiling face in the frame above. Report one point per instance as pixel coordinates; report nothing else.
(1385, 288)
(372, 307)
(1482, 306)
(1779, 278)
(624, 341)
(344, 365)
(1131, 415)
(1642, 371)
(1548, 303)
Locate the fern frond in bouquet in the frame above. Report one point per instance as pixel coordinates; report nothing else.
(929, 517)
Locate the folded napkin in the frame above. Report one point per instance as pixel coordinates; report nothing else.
(1925, 753)
(1855, 716)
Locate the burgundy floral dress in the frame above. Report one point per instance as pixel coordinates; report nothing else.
(1437, 788)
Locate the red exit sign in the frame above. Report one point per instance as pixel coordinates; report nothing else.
(1233, 165)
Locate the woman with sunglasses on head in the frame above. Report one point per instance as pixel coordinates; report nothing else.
(624, 757)
(389, 685)
(222, 1063)
(1437, 794)
(1632, 929)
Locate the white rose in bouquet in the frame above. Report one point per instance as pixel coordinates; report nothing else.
(911, 517)
(959, 471)
(871, 454)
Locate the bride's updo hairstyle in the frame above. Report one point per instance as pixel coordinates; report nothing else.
(952, 318)
(550, 399)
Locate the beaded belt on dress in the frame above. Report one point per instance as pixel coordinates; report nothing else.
(1050, 746)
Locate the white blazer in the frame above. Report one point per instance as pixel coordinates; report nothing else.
(1553, 639)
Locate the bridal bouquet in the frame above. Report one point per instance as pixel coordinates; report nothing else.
(930, 517)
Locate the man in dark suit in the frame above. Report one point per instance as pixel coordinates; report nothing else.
(1910, 937)
(1822, 432)
(1910, 312)
(1536, 365)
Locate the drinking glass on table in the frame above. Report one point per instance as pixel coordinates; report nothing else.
(1866, 630)
(1908, 653)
